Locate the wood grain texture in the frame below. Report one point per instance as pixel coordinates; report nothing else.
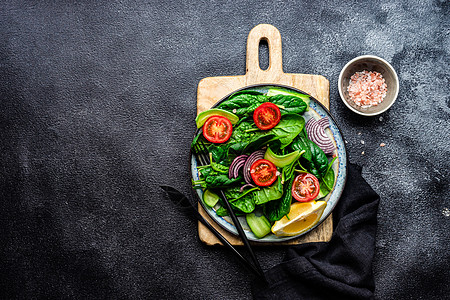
(212, 89)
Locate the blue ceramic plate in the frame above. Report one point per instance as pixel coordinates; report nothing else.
(317, 111)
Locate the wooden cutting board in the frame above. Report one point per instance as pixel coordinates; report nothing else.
(212, 89)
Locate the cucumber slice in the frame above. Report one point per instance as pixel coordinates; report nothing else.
(281, 160)
(210, 198)
(203, 116)
(260, 226)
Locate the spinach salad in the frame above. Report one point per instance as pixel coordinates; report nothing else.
(263, 156)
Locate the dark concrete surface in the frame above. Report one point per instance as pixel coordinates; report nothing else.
(97, 108)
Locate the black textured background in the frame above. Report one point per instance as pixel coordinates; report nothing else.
(97, 106)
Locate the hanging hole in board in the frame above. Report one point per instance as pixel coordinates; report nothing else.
(263, 54)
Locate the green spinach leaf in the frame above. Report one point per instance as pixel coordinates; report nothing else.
(289, 104)
(314, 159)
(219, 167)
(301, 143)
(328, 178)
(327, 182)
(319, 161)
(222, 211)
(234, 193)
(288, 128)
(267, 194)
(247, 137)
(194, 142)
(278, 90)
(219, 151)
(275, 210)
(244, 201)
(210, 178)
(242, 104)
(241, 136)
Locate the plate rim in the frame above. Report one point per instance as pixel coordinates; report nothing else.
(285, 238)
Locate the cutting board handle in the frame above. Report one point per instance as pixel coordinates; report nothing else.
(270, 34)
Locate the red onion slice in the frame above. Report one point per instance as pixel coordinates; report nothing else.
(246, 186)
(316, 132)
(259, 154)
(237, 163)
(324, 122)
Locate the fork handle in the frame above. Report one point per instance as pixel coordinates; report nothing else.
(242, 234)
(227, 244)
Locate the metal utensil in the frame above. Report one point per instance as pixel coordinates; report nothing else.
(241, 232)
(186, 205)
(205, 158)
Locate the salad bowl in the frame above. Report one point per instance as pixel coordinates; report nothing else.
(315, 110)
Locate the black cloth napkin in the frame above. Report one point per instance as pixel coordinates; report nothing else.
(340, 268)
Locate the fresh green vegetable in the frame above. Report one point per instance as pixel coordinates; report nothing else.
(219, 168)
(275, 210)
(246, 137)
(328, 178)
(314, 159)
(242, 104)
(219, 152)
(248, 92)
(245, 204)
(267, 194)
(289, 104)
(319, 162)
(222, 211)
(205, 115)
(195, 140)
(281, 160)
(209, 178)
(234, 193)
(286, 145)
(260, 226)
(288, 128)
(210, 198)
(323, 190)
(281, 91)
(301, 143)
(327, 182)
(242, 201)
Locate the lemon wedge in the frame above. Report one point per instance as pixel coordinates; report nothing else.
(302, 217)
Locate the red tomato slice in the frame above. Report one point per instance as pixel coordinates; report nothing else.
(305, 187)
(263, 172)
(266, 116)
(217, 129)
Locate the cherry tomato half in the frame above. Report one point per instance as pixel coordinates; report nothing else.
(263, 172)
(266, 116)
(217, 129)
(305, 187)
